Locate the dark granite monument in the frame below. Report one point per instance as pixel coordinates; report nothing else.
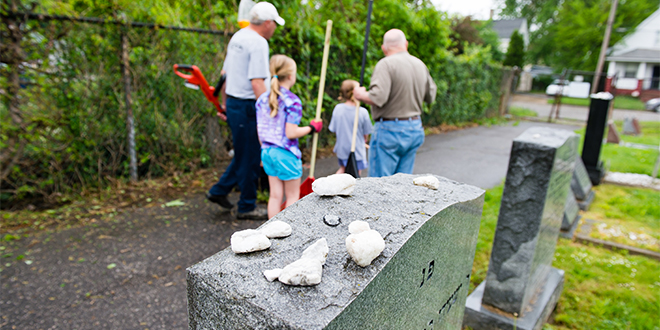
(581, 185)
(593, 137)
(420, 281)
(571, 217)
(521, 287)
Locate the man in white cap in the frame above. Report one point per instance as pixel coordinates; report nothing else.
(248, 76)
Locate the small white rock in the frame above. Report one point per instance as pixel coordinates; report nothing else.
(272, 274)
(358, 226)
(249, 240)
(319, 251)
(276, 229)
(333, 185)
(429, 181)
(302, 272)
(364, 247)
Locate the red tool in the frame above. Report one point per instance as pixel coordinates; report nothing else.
(196, 80)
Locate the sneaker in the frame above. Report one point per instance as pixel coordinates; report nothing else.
(256, 214)
(220, 200)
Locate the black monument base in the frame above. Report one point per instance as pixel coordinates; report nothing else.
(477, 317)
(585, 204)
(568, 234)
(596, 173)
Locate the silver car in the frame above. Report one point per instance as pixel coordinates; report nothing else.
(653, 104)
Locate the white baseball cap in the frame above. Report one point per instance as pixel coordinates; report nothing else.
(265, 11)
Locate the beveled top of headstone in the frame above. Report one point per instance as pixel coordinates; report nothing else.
(544, 136)
(393, 206)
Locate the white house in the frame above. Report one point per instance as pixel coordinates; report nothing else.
(635, 61)
(505, 28)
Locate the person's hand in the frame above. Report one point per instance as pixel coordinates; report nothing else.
(222, 115)
(359, 93)
(316, 125)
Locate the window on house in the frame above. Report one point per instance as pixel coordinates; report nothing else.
(631, 70)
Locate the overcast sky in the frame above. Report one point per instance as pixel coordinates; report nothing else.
(479, 9)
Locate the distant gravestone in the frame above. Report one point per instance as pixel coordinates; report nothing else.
(420, 281)
(581, 186)
(631, 126)
(612, 134)
(571, 216)
(521, 288)
(594, 134)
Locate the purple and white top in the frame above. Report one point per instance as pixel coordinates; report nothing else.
(272, 131)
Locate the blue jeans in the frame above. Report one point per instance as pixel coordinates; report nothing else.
(393, 147)
(244, 168)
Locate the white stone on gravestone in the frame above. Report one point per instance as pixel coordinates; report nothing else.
(358, 226)
(272, 274)
(334, 185)
(319, 251)
(429, 181)
(302, 272)
(249, 240)
(364, 245)
(276, 229)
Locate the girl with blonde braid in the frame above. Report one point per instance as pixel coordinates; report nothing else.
(279, 112)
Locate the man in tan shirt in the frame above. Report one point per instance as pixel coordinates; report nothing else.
(400, 84)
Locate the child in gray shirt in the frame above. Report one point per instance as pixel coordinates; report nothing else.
(341, 124)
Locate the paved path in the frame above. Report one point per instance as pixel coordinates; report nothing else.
(129, 272)
(539, 103)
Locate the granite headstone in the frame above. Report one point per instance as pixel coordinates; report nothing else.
(581, 185)
(571, 217)
(420, 281)
(629, 126)
(593, 136)
(521, 282)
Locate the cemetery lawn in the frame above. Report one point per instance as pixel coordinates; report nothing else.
(603, 289)
(522, 112)
(629, 216)
(620, 102)
(627, 159)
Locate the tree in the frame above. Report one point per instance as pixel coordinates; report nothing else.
(515, 54)
(569, 33)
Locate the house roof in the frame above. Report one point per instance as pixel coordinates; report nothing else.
(638, 55)
(505, 27)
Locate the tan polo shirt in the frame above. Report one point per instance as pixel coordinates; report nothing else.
(399, 85)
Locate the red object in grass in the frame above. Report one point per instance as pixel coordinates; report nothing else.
(197, 78)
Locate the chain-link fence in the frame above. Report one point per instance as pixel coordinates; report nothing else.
(67, 116)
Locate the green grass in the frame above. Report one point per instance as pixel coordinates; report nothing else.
(626, 159)
(522, 112)
(620, 102)
(622, 211)
(603, 289)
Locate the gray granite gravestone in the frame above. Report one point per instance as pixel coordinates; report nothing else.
(629, 127)
(521, 282)
(581, 185)
(571, 217)
(420, 281)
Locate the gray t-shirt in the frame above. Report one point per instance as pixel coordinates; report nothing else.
(342, 125)
(247, 59)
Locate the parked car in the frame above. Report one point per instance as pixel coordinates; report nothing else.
(556, 85)
(653, 104)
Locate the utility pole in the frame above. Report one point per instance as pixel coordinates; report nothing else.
(603, 48)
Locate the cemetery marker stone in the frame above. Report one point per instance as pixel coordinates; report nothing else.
(520, 278)
(581, 185)
(420, 281)
(571, 217)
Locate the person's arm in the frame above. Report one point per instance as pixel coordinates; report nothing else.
(362, 95)
(294, 131)
(258, 86)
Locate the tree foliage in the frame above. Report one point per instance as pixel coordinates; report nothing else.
(73, 103)
(569, 33)
(515, 54)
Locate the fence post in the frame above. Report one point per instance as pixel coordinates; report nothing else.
(130, 125)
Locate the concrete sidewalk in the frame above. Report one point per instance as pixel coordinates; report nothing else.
(478, 156)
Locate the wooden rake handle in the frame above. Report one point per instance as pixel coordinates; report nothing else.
(319, 102)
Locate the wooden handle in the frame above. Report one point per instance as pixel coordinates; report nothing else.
(319, 101)
(355, 125)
